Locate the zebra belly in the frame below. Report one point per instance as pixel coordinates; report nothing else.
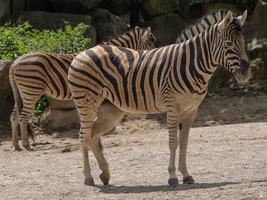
(150, 108)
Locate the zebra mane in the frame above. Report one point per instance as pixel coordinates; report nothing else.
(140, 30)
(201, 25)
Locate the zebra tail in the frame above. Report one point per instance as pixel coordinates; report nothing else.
(18, 100)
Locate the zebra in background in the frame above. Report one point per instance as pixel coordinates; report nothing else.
(202, 24)
(172, 79)
(34, 75)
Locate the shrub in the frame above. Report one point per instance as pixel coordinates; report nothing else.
(18, 40)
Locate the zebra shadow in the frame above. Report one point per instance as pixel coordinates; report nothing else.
(112, 189)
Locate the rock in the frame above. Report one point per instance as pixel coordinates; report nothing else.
(4, 11)
(63, 116)
(6, 96)
(166, 28)
(219, 79)
(259, 16)
(67, 6)
(151, 8)
(107, 25)
(118, 7)
(40, 5)
(45, 20)
(89, 4)
(59, 113)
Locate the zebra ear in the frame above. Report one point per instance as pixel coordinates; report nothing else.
(136, 28)
(226, 21)
(146, 34)
(242, 18)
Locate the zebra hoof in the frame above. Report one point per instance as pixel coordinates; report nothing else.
(188, 180)
(17, 148)
(173, 182)
(28, 147)
(89, 182)
(104, 179)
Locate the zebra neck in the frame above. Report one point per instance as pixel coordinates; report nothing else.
(196, 64)
(208, 53)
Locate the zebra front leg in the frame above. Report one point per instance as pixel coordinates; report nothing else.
(97, 149)
(172, 120)
(183, 141)
(15, 128)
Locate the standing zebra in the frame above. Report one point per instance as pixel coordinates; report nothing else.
(37, 74)
(202, 24)
(172, 79)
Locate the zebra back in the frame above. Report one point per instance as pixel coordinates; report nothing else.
(202, 24)
(137, 38)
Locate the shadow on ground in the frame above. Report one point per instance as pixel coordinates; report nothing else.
(111, 189)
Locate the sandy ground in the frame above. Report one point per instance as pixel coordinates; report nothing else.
(226, 161)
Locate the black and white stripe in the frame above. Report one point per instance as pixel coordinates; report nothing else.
(201, 25)
(37, 74)
(172, 79)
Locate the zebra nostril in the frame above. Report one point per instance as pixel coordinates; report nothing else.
(244, 65)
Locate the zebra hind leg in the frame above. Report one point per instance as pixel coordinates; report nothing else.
(97, 149)
(15, 128)
(24, 118)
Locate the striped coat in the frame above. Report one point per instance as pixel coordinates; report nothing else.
(172, 79)
(37, 74)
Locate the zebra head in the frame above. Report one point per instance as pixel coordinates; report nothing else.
(148, 40)
(234, 57)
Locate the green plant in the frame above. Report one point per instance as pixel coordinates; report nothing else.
(41, 105)
(18, 40)
(21, 39)
(257, 68)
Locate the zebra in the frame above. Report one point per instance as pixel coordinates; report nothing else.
(202, 24)
(172, 79)
(36, 74)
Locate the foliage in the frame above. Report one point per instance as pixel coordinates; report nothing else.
(41, 106)
(257, 67)
(21, 39)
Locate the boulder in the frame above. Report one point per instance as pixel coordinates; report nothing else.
(40, 5)
(6, 96)
(107, 24)
(89, 4)
(59, 113)
(118, 7)
(259, 16)
(63, 116)
(45, 20)
(74, 6)
(66, 6)
(4, 11)
(255, 34)
(220, 79)
(151, 8)
(166, 28)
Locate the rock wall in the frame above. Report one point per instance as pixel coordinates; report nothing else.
(109, 18)
(6, 96)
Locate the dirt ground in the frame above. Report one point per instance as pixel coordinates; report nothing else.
(227, 161)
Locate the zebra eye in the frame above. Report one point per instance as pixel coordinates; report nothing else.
(228, 44)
